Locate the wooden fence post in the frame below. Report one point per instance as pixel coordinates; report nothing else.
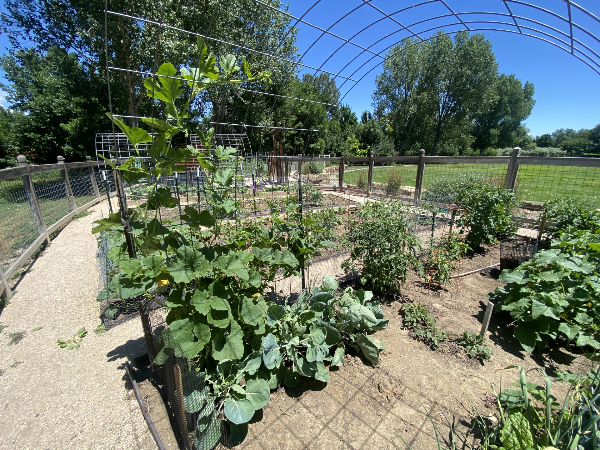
(419, 180)
(287, 170)
(341, 174)
(65, 177)
(33, 201)
(370, 174)
(88, 159)
(512, 170)
(6, 290)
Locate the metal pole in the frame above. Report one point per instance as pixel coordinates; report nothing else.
(301, 226)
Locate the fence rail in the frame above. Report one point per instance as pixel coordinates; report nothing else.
(35, 202)
(536, 178)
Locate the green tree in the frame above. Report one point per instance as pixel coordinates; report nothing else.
(64, 102)
(576, 146)
(9, 121)
(595, 139)
(563, 134)
(433, 90)
(510, 103)
(139, 46)
(545, 141)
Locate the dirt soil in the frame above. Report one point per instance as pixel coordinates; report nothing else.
(391, 405)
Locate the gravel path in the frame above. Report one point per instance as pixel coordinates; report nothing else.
(51, 397)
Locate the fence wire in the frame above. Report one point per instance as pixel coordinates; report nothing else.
(17, 225)
(81, 185)
(52, 196)
(541, 183)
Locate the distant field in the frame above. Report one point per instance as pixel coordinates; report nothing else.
(534, 183)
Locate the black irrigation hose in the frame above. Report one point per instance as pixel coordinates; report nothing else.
(144, 409)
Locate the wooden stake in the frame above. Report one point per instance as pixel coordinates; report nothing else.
(486, 318)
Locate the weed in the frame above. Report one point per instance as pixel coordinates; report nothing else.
(74, 342)
(36, 329)
(81, 214)
(16, 337)
(475, 345)
(2, 327)
(418, 319)
(100, 329)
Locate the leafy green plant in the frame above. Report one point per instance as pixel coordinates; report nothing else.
(532, 417)
(217, 272)
(554, 296)
(311, 195)
(475, 346)
(487, 213)
(300, 340)
(2, 327)
(394, 182)
(382, 245)
(441, 257)
(570, 214)
(416, 317)
(73, 343)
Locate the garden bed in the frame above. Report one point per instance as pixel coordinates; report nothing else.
(384, 406)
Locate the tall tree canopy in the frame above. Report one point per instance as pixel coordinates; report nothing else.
(509, 104)
(433, 92)
(137, 46)
(59, 104)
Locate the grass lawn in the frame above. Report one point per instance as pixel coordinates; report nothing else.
(534, 183)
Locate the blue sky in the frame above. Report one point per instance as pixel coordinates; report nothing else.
(567, 91)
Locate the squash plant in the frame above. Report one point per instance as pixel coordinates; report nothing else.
(556, 294)
(218, 318)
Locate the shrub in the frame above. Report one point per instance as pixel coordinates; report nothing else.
(312, 196)
(361, 180)
(487, 213)
(447, 190)
(394, 182)
(381, 244)
(316, 167)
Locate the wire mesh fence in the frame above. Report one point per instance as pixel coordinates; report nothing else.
(52, 196)
(81, 185)
(35, 201)
(547, 182)
(17, 224)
